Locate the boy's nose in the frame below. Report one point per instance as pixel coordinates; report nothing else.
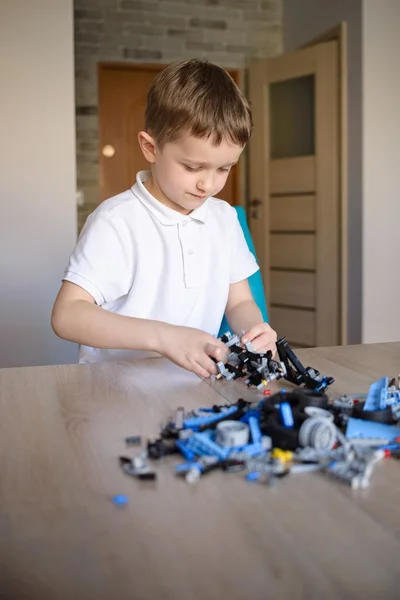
(205, 185)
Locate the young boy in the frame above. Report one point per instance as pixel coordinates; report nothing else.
(157, 266)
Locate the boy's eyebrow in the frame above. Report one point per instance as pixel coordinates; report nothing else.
(205, 164)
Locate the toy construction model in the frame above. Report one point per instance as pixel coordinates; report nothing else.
(287, 432)
(260, 368)
(298, 430)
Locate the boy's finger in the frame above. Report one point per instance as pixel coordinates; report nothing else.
(254, 332)
(209, 365)
(199, 370)
(219, 352)
(263, 343)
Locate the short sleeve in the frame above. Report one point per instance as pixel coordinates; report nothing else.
(102, 261)
(243, 262)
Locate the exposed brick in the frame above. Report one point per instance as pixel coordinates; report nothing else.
(88, 13)
(272, 6)
(196, 35)
(239, 49)
(170, 20)
(90, 147)
(140, 28)
(230, 36)
(86, 110)
(255, 16)
(208, 23)
(85, 49)
(134, 4)
(87, 38)
(89, 26)
(206, 46)
(243, 4)
(141, 54)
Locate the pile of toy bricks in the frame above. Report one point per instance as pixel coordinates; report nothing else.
(296, 430)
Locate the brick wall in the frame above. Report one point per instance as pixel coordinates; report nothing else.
(231, 33)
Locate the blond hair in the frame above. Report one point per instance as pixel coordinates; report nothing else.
(198, 98)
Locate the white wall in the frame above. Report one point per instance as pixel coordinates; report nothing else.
(381, 171)
(304, 20)
(37, 176)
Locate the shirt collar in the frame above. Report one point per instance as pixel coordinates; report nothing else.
(164, 214)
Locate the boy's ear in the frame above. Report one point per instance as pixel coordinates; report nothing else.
(148, 146)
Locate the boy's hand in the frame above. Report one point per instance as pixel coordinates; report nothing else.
(262, 338)
(191, 349)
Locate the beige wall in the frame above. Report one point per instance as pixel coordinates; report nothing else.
(304, 20)
(37, 175)
(381, 171)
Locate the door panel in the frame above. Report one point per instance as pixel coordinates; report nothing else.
(297, 325)
(292, 213)
(122, 101)
(294, 191)
(293, 251)
(292, 175)
(293, 289)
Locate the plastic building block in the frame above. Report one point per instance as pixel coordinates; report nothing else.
(360, 428)
(286, 414)
(120, 499)
(255, 430)
(133, 440)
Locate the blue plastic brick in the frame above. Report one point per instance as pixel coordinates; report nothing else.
(255, 430)
(201, 445)
(285, 411)
(254, 476)
(370, 429)
(183, 447)
(195, 422)
(376, 397)
(120, 499)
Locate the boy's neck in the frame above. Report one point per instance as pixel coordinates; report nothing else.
(154, 189)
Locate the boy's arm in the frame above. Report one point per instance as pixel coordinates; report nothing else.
(77, 318)
(243, 314)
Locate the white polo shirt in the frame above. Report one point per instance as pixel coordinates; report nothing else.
(142, 259)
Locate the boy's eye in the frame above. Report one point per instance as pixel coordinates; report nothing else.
(225, 169)
(192, 169)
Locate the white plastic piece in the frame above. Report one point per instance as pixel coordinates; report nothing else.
(193, 475)
(319, 433)
(232, 434)
(315, 411)
(266, 442)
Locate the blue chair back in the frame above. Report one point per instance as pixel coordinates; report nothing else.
(255, 280)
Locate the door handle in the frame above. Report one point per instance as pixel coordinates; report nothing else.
(254, 203)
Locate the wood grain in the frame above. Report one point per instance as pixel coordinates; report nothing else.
(61, 537)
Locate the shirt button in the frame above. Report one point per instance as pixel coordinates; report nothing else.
(190, 251)
(185, 223)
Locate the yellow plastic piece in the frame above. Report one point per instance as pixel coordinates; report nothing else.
(284, 455)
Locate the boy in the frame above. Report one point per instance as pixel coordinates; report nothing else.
(157, 266)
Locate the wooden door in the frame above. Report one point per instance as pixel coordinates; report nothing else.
(122, 101)
(294, 188)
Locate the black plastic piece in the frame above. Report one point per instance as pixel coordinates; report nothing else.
(378, 416)
(296, 372)
(270, 419)
(133, 440)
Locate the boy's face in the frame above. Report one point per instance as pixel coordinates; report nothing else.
(188, 171)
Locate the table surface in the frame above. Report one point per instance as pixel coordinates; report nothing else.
(62, 429)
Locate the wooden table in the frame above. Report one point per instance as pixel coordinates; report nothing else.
(61, 536)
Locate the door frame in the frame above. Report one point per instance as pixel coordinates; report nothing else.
(339, 34)
(238, 173)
